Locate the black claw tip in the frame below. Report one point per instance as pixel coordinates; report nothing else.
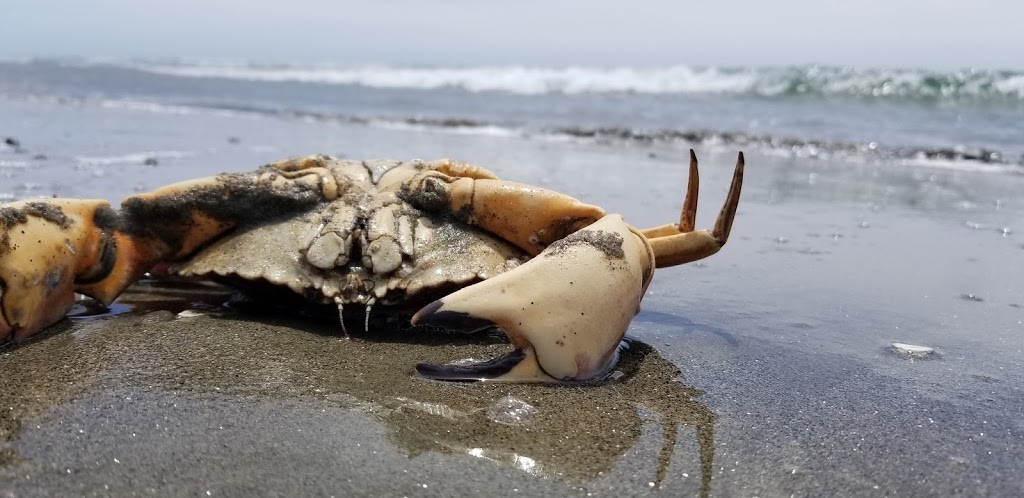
(455, 320)
(425, 312)
(490, 369)
(451, 320)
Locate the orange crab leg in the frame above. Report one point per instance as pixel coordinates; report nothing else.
(676, 244)
(51, 249)
(527, 216)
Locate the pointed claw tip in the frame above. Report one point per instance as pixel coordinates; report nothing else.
(459, 321)
(693, 155)
(491, 369)
(740, 159)
(426, 312)
(439, 372)
(432, 371)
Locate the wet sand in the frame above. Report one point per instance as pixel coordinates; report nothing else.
(766, 370)
(151, 389)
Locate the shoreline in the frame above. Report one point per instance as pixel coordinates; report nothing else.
(781, 340)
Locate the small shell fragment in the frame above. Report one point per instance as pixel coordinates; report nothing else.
(511, 411)
(911, 350)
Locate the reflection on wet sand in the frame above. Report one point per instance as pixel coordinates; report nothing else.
(567, 432)
(575, 432)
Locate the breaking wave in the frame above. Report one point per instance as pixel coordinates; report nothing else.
(826, 81)
(955, 157)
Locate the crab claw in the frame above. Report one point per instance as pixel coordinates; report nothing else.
(565, 311)
(46, 247)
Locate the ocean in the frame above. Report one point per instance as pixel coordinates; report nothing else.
(957, 119)
(880, 207)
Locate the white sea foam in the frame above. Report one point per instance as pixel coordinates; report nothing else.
(133, 158)
(18, 165)
(680, 79)
(1011, 85)
(479, 130)
(512, 79)
(138, 105)
(961, 165)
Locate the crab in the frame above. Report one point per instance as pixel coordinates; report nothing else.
(443, 241)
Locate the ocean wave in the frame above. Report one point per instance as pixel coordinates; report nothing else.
(957, 157)
(962, 158)
(149, 158)
(673, 80)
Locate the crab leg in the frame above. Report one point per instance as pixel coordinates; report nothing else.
(565, 311)
(341, 316)
(366, 317)
(51, 249)
(678, 244)
(527, 216)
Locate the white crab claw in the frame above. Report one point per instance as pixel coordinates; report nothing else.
(565, 310)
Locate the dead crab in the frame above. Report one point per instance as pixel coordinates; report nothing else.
(561, 278)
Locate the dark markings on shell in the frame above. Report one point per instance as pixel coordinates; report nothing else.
(48, 212)
(11, 217)
(105, 218)
(233, 198)
(430, 194)
(53, 279)
(465, 213)
(608, 243)
(567, 225)
(648, 270)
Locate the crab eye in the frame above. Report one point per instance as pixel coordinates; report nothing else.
(432, 194)
(433, 185)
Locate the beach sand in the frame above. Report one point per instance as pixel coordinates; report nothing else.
(766, 370)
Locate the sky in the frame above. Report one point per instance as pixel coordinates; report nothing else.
(931, 34)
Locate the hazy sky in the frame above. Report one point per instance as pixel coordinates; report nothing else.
(937, 34)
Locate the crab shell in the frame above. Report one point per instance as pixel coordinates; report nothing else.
(561, 278)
